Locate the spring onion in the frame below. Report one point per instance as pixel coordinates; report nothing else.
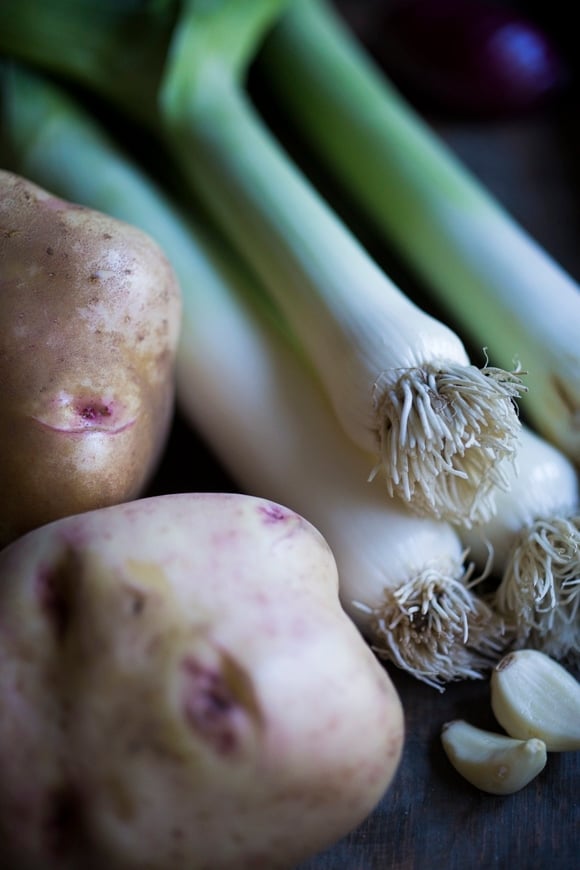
(245, 388)
(116, 47)
(499, 284)
(440, 430)
(534, 541)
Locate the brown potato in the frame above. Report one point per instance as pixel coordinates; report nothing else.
(180, 688)
(89, 321)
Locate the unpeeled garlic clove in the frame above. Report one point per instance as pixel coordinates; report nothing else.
(532, 695)
(492, 762)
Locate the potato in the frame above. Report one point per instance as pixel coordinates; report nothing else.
(180, 689)
(89, 320)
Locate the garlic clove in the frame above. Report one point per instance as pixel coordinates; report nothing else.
(532, 695)
(493, 763)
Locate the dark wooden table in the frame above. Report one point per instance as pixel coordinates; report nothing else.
(431, 817)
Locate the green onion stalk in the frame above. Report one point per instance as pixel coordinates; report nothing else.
(497, 282)
(247, 389)
(439, 431)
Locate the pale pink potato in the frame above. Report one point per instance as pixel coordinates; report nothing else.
(181, 689)
(90, 312)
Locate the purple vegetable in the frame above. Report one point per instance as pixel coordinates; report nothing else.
(475, 58)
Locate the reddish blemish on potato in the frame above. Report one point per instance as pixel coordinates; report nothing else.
(209, 705)
(102, 415)
(54, 589)
(94, 411)
(81, 415)
(273, 513)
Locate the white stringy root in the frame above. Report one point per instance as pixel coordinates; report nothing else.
(437, 629)
(447, 438)
(540, 588)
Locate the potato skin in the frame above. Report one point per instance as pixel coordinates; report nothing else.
(89, 319)
(181, 689)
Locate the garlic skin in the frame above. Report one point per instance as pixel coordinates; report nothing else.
(532, 695)
(491, 762)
